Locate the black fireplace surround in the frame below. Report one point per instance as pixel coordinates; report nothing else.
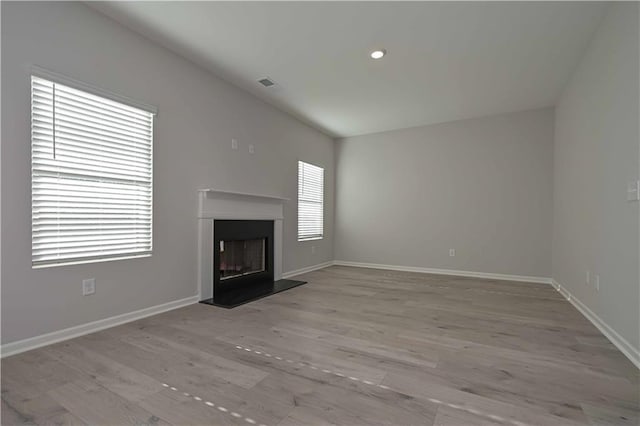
(243, 263)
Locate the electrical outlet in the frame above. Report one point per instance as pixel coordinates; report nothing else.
(452, 252)
(597, 284)
(234, 144)
(588, 278)
(313, 249)
(252, 149)
(88, 286)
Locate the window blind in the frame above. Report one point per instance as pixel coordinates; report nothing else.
(310, 201)
(91, 176)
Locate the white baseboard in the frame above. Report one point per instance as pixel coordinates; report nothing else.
(90, 327)
(518, 278)
(620, 342)
(307, 269)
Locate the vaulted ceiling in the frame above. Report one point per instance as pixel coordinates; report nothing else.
(446, 60)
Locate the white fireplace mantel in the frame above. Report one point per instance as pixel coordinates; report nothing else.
(243, 194)
(214, 204)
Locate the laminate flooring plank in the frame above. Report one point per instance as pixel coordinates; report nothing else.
(185, 410)
(342, 406)
(278, 353)
(13, 416)
(301, 416)
(225, 369)
(191, 373)
(451, 417)
(42, 410)
(611, 414)
(35, 372)
(480, 405)
(118, 378)
(97, 405)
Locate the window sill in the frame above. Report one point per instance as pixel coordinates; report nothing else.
(82, 262)
(310, 239)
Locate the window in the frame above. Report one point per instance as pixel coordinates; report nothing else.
(91, 176)
(310, 202)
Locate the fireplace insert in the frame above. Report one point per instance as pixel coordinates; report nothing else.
(243, 262)
(242, 253)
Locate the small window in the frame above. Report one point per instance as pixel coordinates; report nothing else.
(310, 202)
(91, 176)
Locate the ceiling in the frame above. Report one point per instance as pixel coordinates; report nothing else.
(446, 60)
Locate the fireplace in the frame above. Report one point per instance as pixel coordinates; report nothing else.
(242, 254)
(239, 247)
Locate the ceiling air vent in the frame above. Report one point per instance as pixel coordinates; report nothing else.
(266, 82)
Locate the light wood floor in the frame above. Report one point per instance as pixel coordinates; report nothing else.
(352, 347)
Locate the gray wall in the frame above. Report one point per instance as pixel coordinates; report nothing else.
(596, 154)
(198, 116)
(481, 186)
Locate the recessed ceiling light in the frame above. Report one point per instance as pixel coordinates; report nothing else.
(377, 54)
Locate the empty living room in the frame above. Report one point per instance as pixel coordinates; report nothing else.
(301, 213)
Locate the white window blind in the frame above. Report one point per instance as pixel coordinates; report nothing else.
(91, 176)
(310, 201)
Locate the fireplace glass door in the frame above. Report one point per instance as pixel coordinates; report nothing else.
(242, 257)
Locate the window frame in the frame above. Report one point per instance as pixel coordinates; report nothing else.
(55, 78)
(314, 237)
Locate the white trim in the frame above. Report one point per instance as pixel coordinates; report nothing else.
(213, 215)
(90, 327)
(307, 269)
(244, 194)
(486, 275)
(619, 342)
